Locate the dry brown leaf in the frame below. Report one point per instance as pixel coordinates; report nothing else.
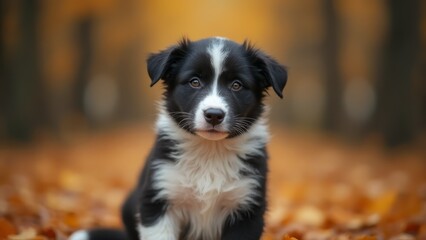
(318, 235)
(403, 236)
(287, 237)
(382, 204)
(27, 234)
(70, 181)
(310, 215)
(366, 238)
(422, 232)
(6, 228)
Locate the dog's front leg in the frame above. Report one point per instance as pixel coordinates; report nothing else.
(156, 219)
(249, 226)
(165, 228)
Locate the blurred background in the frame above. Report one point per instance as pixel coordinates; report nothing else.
(348, 151)
(357, 69)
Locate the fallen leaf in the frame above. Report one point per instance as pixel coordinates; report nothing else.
(309, 215)
(27, 234)
(6, 228)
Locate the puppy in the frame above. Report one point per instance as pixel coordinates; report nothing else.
(205, 178)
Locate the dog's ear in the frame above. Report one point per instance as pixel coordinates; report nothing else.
(275, 75)
(161, 65)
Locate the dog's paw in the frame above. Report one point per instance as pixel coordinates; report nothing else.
(79, 235)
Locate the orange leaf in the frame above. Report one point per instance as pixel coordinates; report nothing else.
(6, 228)
(382, 204)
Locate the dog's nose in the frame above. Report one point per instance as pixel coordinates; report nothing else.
(214, 116)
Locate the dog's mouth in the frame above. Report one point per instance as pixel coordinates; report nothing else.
(212, 134)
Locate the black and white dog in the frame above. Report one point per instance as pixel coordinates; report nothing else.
(205, 177)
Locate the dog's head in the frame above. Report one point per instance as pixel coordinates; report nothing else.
(215, 87)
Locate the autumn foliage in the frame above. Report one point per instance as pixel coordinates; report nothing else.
(318, 188)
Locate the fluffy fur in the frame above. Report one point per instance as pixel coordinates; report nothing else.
(205, 177)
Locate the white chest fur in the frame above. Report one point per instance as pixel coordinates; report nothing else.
(205, 185)
(204, 189)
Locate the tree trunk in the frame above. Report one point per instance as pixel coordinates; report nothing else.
(333, 85)
(22, 84)
(396, 100)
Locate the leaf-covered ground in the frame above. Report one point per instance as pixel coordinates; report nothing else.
(319, 188)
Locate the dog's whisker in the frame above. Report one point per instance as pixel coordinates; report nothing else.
(177, 114)
(186, 123)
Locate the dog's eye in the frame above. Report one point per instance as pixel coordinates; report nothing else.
(236, 85)
(195, 82)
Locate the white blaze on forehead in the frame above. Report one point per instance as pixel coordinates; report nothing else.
(213, 99)
(217, 59)
(221, 38)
